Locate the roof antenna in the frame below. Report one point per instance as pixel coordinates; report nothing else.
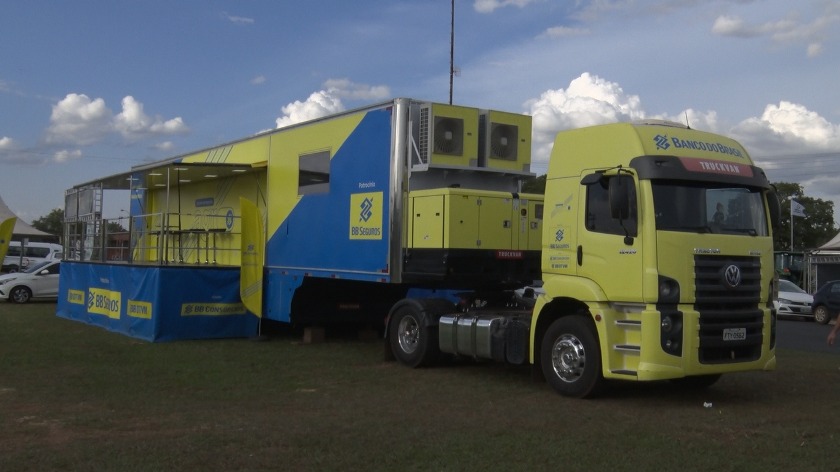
(451, 51)
(686, 119)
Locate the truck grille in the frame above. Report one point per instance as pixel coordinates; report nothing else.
(730, 317)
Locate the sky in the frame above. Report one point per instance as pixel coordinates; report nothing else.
(90, 88)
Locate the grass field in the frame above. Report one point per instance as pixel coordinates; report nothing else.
(76, 397)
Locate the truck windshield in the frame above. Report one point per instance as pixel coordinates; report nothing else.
(705, 207)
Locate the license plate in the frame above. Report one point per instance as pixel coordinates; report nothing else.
(734, 334)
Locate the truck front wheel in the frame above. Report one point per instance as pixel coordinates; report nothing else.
(571, 357)
(412, 341)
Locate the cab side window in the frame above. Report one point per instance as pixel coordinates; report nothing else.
(598, 216)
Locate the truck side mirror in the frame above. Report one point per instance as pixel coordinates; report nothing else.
(619, 192)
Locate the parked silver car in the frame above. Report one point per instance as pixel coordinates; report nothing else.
(793, 302)
(38, 281)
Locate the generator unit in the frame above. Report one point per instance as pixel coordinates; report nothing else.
(504, 141)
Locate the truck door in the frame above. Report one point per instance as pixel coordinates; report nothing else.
(609, 251)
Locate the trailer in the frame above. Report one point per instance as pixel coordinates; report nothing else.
(409, 217)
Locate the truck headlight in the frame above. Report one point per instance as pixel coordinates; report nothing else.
(669, 290)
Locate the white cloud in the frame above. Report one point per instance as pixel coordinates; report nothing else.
(133, 123)
(321, 103)
(565, 32)
(589, 100)
(814, 49)
(788, 128)
(77, 119)
(6, 143)
(345, 88)
(165, 146)
(239, 20)
(328, 101)
(787, 30)
(65, 155)
(489, 6)
(258, 80)
(726, 25)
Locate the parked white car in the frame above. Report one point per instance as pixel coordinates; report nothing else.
(793, 301)
(33, 253)
(38, 281)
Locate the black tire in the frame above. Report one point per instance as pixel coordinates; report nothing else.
(12, 269)
(571, 357)
(821, 315)
(413, 343)
(696, 382)
(20, 294)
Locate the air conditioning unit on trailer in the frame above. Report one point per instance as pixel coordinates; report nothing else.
(447, 136)
(504, 141)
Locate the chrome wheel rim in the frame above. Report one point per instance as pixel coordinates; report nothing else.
(408, 334)
(568, 358)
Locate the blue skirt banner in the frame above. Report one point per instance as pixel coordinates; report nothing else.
(156, 303)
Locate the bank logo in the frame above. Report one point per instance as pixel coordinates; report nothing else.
(229, 219)
(661, 141)
(104, 302)
(366, 215)
(559, 235)
(366, 212)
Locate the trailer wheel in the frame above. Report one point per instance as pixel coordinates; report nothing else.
(571, 357)
(413, 342)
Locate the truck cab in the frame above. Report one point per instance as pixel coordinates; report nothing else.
(657, 258)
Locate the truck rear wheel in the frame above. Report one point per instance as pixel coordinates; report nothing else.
(413, 342)
(571, 357)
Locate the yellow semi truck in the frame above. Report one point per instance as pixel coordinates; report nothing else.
(657, 263)
(652, 244)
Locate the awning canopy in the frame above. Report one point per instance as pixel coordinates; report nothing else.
(169, 174)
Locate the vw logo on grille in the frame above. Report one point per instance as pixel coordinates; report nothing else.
(732, 276)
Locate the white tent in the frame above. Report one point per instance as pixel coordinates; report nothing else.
(23, 229)
(823, 264)
(833, 245)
